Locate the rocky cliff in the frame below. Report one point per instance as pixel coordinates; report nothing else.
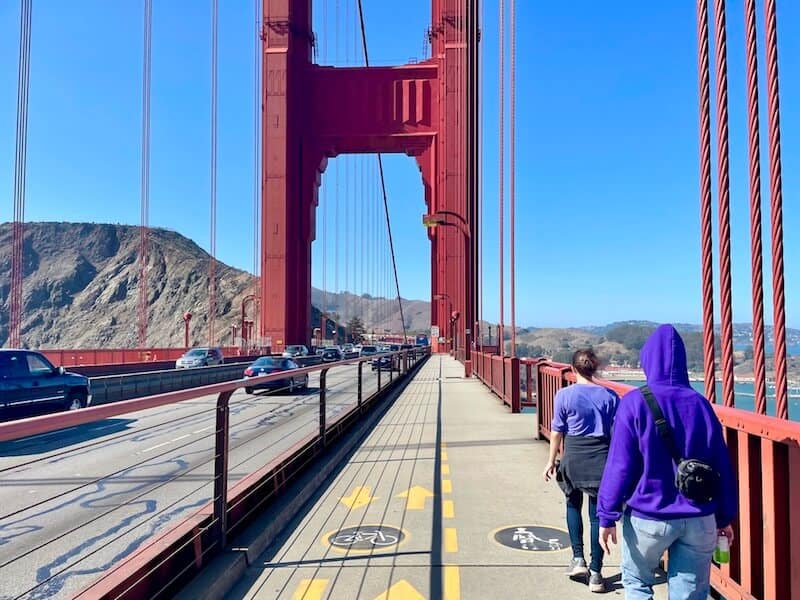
(81, 289)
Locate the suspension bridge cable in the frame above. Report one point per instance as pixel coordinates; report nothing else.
(383, 185)
(257, 191)
(501, 172)
(212, 267)
(144, 233)
(511, 172)
(20, 168)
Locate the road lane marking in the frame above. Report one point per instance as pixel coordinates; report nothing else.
(447, 486)
(448, 509)
(450, 540)
(444, 455)
(151, 448)
(310, 589)
(445, 469)
(452, 583)
(203, 429)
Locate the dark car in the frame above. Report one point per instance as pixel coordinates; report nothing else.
(387, 361)
(28, 381)
(266, 365)
(369, 350)
(332, 355)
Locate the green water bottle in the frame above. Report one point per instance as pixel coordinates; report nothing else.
(722, 553)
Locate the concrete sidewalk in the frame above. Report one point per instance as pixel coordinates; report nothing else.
(421, 508)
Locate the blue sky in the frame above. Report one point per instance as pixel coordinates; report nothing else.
(607, 153)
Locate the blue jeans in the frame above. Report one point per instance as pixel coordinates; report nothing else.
(575, 527)
(690, 543)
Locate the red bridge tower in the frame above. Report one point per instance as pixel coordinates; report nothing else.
(312, 113)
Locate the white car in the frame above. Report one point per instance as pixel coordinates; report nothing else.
(200, 357)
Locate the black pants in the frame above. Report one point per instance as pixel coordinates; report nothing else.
(575, 526)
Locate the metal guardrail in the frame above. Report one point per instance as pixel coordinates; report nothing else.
(170, 559)
(766, 457)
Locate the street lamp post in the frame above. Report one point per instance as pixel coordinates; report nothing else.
(452, 219)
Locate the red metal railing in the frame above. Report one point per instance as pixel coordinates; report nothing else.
(502, 375)
(766, 455)
(120, 356)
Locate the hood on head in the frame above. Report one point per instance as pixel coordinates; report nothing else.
(663, 357)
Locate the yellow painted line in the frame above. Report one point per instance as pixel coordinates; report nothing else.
(443, 444)
(447, 486)
(402, 590)
(452, 583)
(450, 540)
(448, 509)
(444, 455)
(310, 589)
(445, 469)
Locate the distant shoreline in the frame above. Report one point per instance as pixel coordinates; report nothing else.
(638, 375)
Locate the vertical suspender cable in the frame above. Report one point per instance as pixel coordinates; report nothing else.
(326, 180)
(144, 233)
(212, 266)
(257, 165)
(776, 211)
(705, 199)
(501, 171)
(480, 188)
(20, 169)
(383, 186)
(512, 174)
(724, 208)
(756, 251)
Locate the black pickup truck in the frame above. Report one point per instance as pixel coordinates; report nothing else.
(29, 382)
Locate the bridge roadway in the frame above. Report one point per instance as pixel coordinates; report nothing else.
(121, 480)
(415, 512)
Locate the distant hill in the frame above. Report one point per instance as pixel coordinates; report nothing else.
(81, 287)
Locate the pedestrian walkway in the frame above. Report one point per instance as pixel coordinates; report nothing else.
(443, 500)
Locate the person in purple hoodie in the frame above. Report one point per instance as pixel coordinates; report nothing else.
(638, 483)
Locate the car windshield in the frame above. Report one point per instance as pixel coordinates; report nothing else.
(331, 352)
(266, 361)
(368, 349)
(196, 352)
(294, 348)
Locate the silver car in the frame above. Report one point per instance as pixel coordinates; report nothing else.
(295, 351)
(200, 357)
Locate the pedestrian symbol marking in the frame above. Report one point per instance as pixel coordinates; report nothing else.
(366, 537)
(532, 538)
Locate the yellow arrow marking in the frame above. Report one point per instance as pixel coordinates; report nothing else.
(402, 590)
(416, 497)
(360, 497)
(310, 589)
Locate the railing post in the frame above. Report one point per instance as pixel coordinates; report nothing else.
(529, 383)
(537, 421)
(514, 384)
(220, 526)
(323, 376)
(360, 387)
(379, 376)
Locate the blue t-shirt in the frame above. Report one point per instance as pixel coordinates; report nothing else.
(584, 409)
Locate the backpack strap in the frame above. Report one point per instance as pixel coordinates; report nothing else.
(663, 428)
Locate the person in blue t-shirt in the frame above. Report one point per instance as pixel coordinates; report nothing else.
(582, 419)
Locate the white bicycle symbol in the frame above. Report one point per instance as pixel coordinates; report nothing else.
(375, 537)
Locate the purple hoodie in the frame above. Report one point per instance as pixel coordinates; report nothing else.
(640, 471)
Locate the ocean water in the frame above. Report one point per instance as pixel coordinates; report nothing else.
(744, 396)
